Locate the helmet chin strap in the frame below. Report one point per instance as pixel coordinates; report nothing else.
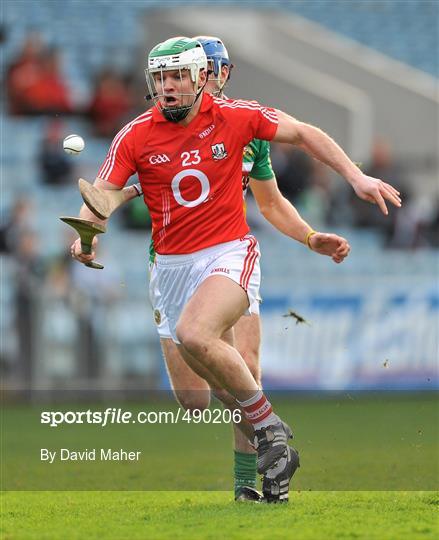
(176, 114)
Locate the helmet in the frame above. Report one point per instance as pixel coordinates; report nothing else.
(217, 56)
(176, 53)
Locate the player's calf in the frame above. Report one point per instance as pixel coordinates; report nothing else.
(192, 400)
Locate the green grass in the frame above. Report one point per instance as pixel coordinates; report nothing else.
(211, 515)
(369, 470)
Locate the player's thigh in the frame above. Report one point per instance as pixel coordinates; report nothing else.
(213, 309)
(248, 340)
(191, 390)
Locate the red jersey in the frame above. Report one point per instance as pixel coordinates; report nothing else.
(191, 175)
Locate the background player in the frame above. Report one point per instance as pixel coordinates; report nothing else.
(207, 310)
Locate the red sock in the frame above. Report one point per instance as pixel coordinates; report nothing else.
(258, 411)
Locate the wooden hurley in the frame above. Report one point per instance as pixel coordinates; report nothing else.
(87, 230)
(102, 202)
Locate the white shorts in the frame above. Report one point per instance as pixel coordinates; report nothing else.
(175, 278)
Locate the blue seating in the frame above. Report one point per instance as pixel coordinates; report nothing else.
(406, 30)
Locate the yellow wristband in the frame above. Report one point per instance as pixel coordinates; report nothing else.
(308, 238)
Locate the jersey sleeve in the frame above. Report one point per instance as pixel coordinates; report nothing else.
(262, 169)
(119, 164)
(250, 119)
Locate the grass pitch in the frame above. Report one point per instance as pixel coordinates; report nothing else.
(210, 515)
(369, 470)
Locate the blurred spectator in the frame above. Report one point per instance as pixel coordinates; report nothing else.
(64, 347)
(3, 34)
(314, 200)
(110, 105)
(59, 271)
(414, 225)
(58, 281)
(23, 72)
(55, 166)
(384, 167)
(28, 275)
(30, 265)
(94, 294)
(35, 82)
(293, 169)
(20, 219)
(432, 230)
(49, 93)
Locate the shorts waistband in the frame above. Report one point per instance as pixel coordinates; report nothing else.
(176, 260)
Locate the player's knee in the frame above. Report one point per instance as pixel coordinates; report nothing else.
(182, 332)
(191, 338)
(193, 400)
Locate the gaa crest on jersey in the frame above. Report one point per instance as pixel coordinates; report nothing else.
(219, 151)
(157, 316)
(159, 158)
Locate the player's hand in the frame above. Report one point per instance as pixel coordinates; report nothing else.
(376, 191)
(332, 245)
(76, 252)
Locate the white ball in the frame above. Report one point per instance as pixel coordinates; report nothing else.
(73, 144)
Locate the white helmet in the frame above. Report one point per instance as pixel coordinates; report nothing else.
(176, 53)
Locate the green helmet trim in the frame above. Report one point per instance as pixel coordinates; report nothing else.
(174, 46)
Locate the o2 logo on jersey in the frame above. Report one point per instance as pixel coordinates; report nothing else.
(201, 177)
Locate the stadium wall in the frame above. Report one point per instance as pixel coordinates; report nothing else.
(369, 323)
(352, 340)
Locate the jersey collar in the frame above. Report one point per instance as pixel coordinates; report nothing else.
(206, 104)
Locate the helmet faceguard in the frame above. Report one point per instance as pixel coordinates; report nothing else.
(186, 57)
(217, 57)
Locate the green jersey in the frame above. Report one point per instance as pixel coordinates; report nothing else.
(256, 163)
